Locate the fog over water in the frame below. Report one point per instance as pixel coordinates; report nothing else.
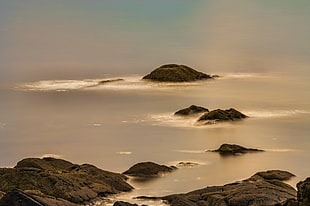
(54, 53)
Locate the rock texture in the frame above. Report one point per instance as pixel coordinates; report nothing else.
(303, 194)
(262, 189)
(148, 169)
(222, 115)
(176, 73)
(227, 149)
(122, 203)
(62, 179)
(191, 110)
(187, 164)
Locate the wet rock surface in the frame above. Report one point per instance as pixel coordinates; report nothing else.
(61, 179)
(176, 73)
(193, 109)
(254, 191)
(148, 169)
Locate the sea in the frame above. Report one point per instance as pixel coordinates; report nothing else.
(54, 53)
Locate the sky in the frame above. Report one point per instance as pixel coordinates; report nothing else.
(69, 39)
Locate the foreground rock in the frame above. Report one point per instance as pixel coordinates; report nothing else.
(57, 178)
(222, 115)
(262, 189)
(148, 169)
(176, 73)
(191, 110)
(227, 149)
(122, 203)
(303, 194)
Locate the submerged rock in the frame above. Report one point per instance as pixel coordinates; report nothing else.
(61, 179)
(191, 110)
(222, 115)
(255, 191)
(110, 81)
(187, 164)
(148, 169)
(176, 73)
(234, 149)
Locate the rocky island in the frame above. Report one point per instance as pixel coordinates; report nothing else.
(193, 109)
(233, 149)
(220, 115)
(148, 169)
(176, 73)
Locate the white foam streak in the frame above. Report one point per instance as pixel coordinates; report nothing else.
(275, 114)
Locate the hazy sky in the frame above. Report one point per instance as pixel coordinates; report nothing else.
(48, 39)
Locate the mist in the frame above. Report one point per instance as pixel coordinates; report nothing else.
(88, 39)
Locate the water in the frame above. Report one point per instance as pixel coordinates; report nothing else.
(53, 53)
(116, 125)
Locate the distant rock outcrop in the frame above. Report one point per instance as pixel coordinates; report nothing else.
(110, 81)
(258, 190)
(221, 115)
(191, 110)
(233, 149)
(148, 169)
(58, 178)
(176, 73)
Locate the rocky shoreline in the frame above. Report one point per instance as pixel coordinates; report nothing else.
(57, 182)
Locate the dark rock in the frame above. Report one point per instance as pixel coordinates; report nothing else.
(148, 169)
(20, 198)
(255, 191)
(110, 81)
(187, 164)
(176, 73)
(303, 194)
(121, 203)
(234, 149)
(191, 110)
(62, 179)
(222, 115)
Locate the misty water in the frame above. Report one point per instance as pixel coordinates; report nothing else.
(54, 53)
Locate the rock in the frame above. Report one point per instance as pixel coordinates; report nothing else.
(110, 81)
(187, 164)
(121, 203)
(254, 191)
(21, 198)
(61, 179)
(234, 149)
(191, 110)
(303, 194)
(176, 73)
(275, 175)
(2, 194)
(222, 115)
(148, 169)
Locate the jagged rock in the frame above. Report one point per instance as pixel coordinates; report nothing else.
(221, 115)
(233, 149)
(62, 179)
(254, 191)
(176, 73)
(191, 110)
(148, 169)
(303, 194)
